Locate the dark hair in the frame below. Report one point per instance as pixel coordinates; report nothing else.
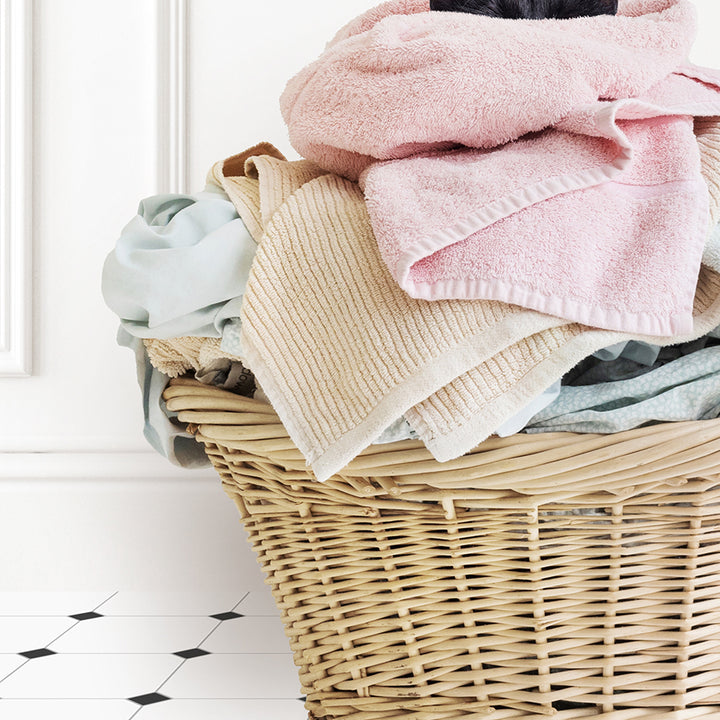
(529, 9)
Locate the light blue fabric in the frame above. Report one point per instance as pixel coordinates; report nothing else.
(230, 342)
(516, 423)
(180, 267)
(161, 428)
(687, 388)
(397, 431)
(640, 352)
(613, 352)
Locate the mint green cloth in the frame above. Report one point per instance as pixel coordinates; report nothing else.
(180, 267)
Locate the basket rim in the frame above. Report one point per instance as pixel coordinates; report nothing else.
(620, 464)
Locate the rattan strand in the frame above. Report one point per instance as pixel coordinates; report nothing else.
(567, 575)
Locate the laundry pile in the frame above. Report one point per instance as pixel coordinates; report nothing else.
(497, 225)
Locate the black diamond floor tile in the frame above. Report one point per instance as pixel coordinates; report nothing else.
(192, 653)
(86, 616)
(40, 652)
(227, 616)
(149, 699)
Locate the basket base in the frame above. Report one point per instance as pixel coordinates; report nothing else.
(696, 713)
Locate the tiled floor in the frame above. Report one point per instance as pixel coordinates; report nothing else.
(146, 656)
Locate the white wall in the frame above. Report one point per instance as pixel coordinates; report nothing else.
(123, 107)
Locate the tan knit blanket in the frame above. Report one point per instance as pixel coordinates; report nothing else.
(341, 351)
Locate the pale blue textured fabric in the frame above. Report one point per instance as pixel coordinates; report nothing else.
(230, 342)
(180, 267)
(687, 388)
(397, 431)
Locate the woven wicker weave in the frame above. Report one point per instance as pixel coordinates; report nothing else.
(568, 575)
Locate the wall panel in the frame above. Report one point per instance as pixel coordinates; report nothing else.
(15, 188)
(109, 111)
(172, 96)
(104, 103)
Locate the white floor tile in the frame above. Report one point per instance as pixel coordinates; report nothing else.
(258, 602)
(172, 603)
(248, 635)
(50, 603)
(135, 635)
(224, 710)
(234, 676)
(89, 676)
(67, 709)
(18, 634)
(8, 663)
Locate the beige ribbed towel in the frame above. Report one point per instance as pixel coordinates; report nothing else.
(707, 132)
(342, 351)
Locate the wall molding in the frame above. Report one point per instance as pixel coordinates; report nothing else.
(172, 93)
(16, 130)
(140, 465)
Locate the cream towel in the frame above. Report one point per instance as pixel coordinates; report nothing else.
(176, 356)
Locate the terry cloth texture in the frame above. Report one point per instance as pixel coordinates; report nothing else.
(341, 351)
(599, 216)
(177, 356)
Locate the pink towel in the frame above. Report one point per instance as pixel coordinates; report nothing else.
(549, 164)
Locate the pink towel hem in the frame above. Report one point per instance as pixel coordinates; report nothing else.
(561, 307)
(588, 313)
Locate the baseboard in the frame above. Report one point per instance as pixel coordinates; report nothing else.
(121, 533)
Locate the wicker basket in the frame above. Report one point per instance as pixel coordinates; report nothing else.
(558, 574)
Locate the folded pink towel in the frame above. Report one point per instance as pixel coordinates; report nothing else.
(550, 164)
